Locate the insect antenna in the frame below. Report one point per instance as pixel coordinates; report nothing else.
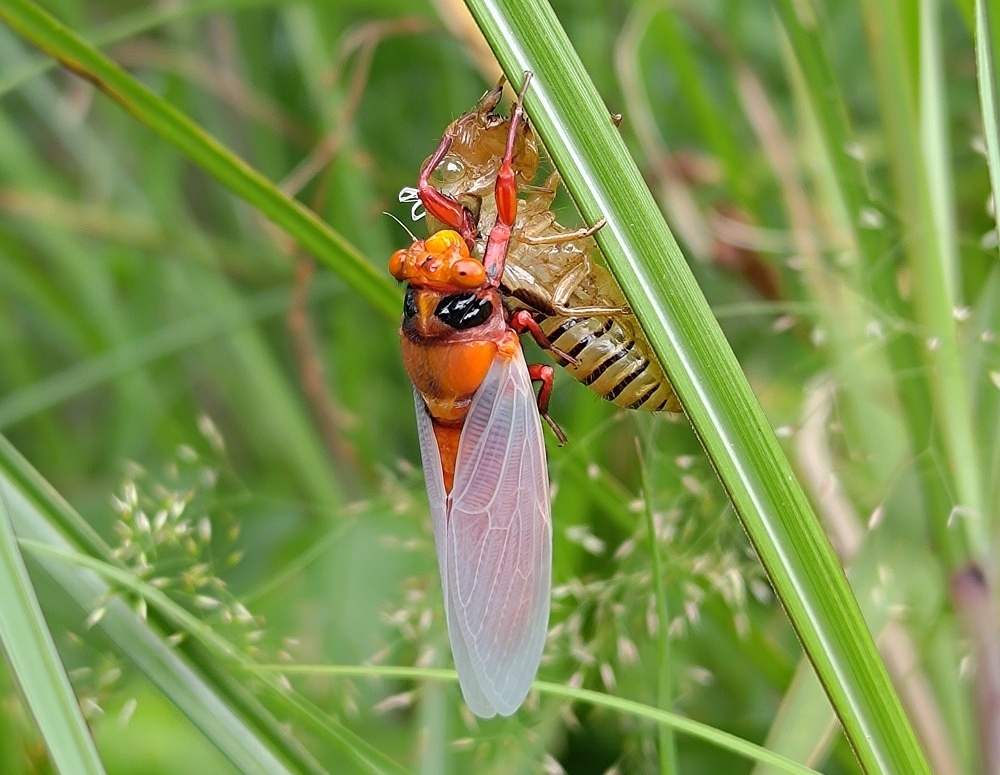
(412, 237)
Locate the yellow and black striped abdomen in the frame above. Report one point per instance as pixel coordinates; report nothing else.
(616, 360)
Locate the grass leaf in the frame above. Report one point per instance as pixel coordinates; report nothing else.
(35, 662)
(196, 144)
(646, 260)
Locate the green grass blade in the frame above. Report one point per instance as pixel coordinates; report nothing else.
(364, 754)
(35, 509)
(645, 258)
(872, 274)
(918, 169)
(130, 25)
(302, 224)
(32, 654)
(86, 375)
(675, 721)
(988, 76)
(935, 147)
(667, 748)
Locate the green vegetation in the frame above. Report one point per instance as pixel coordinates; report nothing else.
(209, 456)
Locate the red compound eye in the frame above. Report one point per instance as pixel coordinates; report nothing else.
(468, 273)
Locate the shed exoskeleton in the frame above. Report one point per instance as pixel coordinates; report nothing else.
(549, 270)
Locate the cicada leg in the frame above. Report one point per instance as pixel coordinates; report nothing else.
(546, 192)
(566, 236)
(489, 101)
(546, 195)
(569, 283)
(505, 194)
(522, 321)
(543, 375)
(449, 211)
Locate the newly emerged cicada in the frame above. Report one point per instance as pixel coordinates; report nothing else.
(549, 268)
(482, 450)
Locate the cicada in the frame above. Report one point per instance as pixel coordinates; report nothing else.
(482, 450)
(549, 271)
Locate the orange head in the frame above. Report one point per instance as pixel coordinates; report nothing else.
(441, 262)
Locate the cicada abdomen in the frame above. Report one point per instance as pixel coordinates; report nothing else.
(549, 271)
(614, 360)
(582, 310)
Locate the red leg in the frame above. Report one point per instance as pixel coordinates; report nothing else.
(522, 321)
(543, 374)
(450, 212)
(442, 207)
(505, 194)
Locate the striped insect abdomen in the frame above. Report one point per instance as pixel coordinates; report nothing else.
(616, 361)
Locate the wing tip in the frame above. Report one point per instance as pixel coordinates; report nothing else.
(485, 706)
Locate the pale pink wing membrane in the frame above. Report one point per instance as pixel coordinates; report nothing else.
(498, 564)
(494, 539)
(433, 476)
(437, 497)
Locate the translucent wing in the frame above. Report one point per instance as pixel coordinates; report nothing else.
(438, 499)
(494, 539)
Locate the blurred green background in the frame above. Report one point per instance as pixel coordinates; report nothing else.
(161, 343)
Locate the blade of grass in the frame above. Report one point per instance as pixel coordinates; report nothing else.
(988, 77)
(987, 36)
(665, 690)
(604, 181)
(918, 170)
(302, 224)
(36, 665)
(248, 737)
(874, 273)
(356, 748)
(161, 664)
(86, 375)
(935, 147)
(723, 740)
